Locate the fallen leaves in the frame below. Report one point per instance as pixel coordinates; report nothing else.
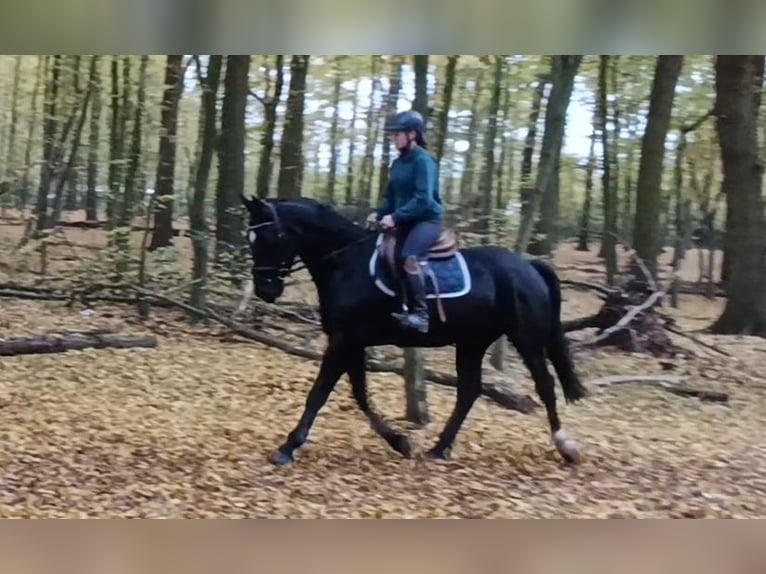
(185, 430)
(193, 443)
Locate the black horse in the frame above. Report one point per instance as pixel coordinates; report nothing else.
(486, 292)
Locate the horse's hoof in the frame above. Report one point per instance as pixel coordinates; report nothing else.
(401, 444)
(438, 453)
(281, 458)
(567, 447)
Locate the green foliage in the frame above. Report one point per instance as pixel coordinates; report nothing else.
(694, 97)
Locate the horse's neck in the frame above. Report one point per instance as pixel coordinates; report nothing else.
(322, 252)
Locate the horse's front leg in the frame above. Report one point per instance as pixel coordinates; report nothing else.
(334, 363)
(468, 362)
(357, 375)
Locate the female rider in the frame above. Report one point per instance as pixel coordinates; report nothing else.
(412, 208)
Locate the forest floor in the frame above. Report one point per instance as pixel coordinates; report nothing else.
(186, 429)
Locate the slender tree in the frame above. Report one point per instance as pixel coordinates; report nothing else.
(290, 178)
(231, 157)
(165, 178)
(646, 226)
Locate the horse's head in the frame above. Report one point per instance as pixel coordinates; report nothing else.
(273, 247)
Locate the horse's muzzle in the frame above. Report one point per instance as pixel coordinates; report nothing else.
(268, 289)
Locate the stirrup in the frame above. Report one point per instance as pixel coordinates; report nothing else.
(412, 321)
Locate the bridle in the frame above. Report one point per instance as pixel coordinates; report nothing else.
(285, 270)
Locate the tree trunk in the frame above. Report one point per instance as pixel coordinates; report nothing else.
(583, 235)
(394, 86)
(291, 148)
(608, 178)
(488, 169)
(270, 103)
(646, 226)
(415, 392)
(364, 188)
(738, 85)
(527, 189)
(127, 205)
(72, 174)
(446, 104)
(198, 222)
(616, 129)
(49, 135)
(82, 107)
(166, 164)
(115, 145)
(333, 170)
(231, 157)
(351, 147)
(10, 157)
(506, 154)
(543, 239)
(420, 66)
(627, 199)
(467, 173)
(564, 70)
(32, 126)
(91, 198)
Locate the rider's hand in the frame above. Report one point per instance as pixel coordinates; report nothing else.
(387, 222)
(372, 220)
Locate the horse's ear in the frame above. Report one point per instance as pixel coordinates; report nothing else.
(252, 204)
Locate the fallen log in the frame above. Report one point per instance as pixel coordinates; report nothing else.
(44, 344)
(632, 313)
(507, 399)
(610, 313)
(667, 383)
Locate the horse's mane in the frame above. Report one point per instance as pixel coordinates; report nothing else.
(318, 216)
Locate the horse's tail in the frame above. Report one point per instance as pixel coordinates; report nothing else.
(556, 344)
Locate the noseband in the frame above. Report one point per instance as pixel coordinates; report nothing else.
(282, 270)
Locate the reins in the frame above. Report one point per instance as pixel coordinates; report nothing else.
(285, 271)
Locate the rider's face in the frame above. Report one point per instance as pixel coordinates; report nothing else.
(400, 139)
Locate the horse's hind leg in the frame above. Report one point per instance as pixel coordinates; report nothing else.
(357, 376)
(544, 386)
(468, 362)
(333, 365)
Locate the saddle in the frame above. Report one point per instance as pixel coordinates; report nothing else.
(444, 248)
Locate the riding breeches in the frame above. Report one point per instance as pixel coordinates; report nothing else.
(416, 240)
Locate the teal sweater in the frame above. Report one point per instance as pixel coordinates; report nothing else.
(412, 193)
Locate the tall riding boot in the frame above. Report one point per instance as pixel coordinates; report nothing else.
(417, 317)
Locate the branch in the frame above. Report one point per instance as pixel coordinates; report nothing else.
(697, 123)
(645, 270)
(698, 341)
(83, 295)
(634, 311)
(507, 399)
(670, 384)
(257, 97)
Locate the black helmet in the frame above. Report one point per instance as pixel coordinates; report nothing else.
(411, 120)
